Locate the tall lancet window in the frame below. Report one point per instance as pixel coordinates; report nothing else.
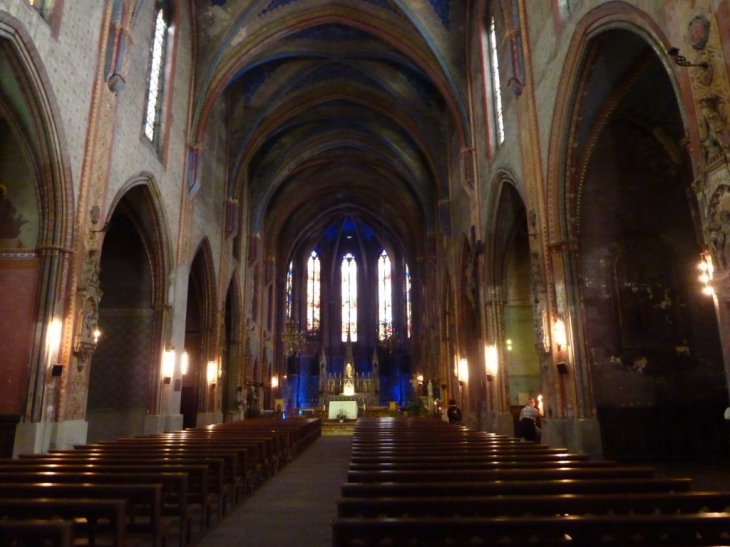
(349, 297)
(408, 302)
(385, 297)
(156, 78)
(496, 83)
(313, 293)
(289, 290)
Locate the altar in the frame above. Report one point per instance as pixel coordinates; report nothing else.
(361, 389)
(339, 408)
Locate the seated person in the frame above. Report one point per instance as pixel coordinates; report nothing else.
(453, 413)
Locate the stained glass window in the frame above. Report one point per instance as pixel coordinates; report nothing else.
(408, 302)
(156, 79)
(289, 290)
(349, 297)
(385, 297)
(496, 83)
(313, 292)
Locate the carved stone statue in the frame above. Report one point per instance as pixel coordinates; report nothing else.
(716, 139)
(719, 239)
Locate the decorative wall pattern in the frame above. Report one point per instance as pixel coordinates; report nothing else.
(121, 365)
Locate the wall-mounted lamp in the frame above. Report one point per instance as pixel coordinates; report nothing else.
(168, 365)
(419, 379)
(212, 373)
(560, 334)
(184, 363)
(53, 341)
(274, 382)
(85, 347)
(681, 60)
(562, 367)
(707, 271)
(491, 361)
(463, 371)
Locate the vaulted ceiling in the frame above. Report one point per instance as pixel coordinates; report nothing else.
(337, 109)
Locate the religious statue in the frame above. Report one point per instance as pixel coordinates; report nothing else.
(348, 371)
(719, 239)
(716, 140)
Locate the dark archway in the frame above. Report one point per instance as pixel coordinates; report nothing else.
(201, 382)
(518, 280)
(650, 334)
(232, 366)
(123, 380)
(38, 239)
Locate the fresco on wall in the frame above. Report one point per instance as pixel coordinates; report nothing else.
(18, 200)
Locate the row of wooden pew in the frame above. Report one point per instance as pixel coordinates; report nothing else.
(427, 483)
(143, 490)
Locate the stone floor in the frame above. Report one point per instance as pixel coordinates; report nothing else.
(294, 508)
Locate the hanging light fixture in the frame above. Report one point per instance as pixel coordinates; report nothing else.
(292, 337)
(387, 336)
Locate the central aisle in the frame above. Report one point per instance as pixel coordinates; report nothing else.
(294, 508)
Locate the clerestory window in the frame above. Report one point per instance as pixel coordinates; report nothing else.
(156, 79)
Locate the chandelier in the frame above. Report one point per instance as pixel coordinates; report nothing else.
(292, 337)
(387, 337)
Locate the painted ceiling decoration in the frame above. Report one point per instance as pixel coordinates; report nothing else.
(330, 102)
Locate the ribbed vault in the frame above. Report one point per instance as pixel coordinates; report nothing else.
(337, 109)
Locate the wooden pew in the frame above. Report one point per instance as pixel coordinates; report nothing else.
(174, 488)
(488, 475)
(222, 470)
(430, 485)
(477, 465)
(38, 533)
(144, 503)
(93, 519)
(251, 457)
(236, 467)
(301, 431)
(512, 488)
(534, 504)
(456, 451)
(272, 449)
(583, 530)
(198, 497)
(465, 458)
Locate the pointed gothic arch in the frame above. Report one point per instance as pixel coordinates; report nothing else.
(201, 392)
(133, 276)
(39, 275)
(604, 199)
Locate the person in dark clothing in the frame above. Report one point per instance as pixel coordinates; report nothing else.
(529, 419)
(453, 413)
